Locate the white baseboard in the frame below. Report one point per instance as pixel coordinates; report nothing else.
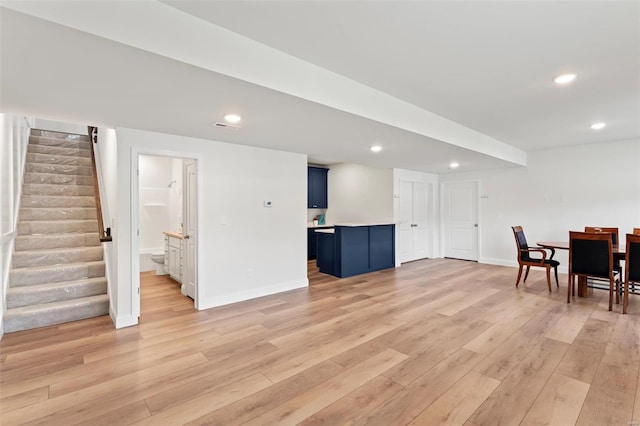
(250, 294)
(562, 269)
(123, 320)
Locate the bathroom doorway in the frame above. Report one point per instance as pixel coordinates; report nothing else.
(167, 234)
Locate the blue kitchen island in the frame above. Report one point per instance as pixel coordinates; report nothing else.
(348, 250)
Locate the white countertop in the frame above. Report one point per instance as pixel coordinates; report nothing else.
(311, 225)
(174, 234)
(363, 224)
(326, 231)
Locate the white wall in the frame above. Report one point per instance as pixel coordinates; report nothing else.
(434, 204)
(58, 126)
(14, 137)
(246, 250)
(561, 189)
(359, 194)
(106, 152)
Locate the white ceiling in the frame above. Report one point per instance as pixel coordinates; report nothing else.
(487, 66)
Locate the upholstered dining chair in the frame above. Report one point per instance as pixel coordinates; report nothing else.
(615, 239)
(590, 255)
(631, 266)
(525, 259)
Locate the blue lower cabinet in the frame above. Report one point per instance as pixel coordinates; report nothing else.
(355, 250)
(326, 253)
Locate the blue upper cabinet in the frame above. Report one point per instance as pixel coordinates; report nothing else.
(317, 188)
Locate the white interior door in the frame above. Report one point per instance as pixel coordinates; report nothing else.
(461, 220)
(405, 222)
(413, 221)
(420, 220)
(189, 276)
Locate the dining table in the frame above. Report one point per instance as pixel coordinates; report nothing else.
(583, 289)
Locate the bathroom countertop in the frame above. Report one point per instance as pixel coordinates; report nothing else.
(174, 234)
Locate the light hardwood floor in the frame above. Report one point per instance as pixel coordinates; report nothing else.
(441, 342)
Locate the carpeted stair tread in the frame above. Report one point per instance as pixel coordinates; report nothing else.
(58, 159)
(58, 201)
(45, 314)
(58, 135)
(58, 179)
(58, 169)
(46, 241)
(59, 150)
(54, 292)
(55, 273)
(49, 189)
(57, 213)
(39, 227)
(59, 256)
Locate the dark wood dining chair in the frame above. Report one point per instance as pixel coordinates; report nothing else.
(615, 239)
(631, 266)
(590, 255)
(525, 259)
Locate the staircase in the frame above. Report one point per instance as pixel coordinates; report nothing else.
(57, 273)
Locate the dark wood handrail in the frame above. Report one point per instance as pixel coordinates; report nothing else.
(105, 234)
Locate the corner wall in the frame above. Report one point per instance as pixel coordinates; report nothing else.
(561, 189)
(359, 194)
(246, 250)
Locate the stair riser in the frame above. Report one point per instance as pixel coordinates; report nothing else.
(62, 213)
(58, 169)
(58, 160)
(27, 259)
(26, 277)
(50, 179)
(56, 241)
(58, 201)
(18, 297)
(44, 189)
(56, 227)
(54, 316)
(58, 150)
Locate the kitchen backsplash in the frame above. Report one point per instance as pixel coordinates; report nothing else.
(311, 213)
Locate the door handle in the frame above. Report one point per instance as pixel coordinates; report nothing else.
(186, 237)
(475, 225)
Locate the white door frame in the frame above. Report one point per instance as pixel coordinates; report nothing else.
(429, 225)
(443, 236)
(135, 218)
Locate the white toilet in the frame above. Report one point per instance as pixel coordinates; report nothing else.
(158, 259)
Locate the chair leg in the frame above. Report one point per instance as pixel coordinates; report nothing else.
(519, 275)
(569, 289)
(555, 270)
(625, 298)
(610, 294)
(526, 274)
(549, 277)
(618, 288)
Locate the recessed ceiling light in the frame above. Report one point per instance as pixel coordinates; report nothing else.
(232, 118)
(454, 165)
(598, 126)
(565, 78)
(376, 148)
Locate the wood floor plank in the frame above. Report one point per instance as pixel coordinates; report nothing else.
(511, 401)
(305, 405)
(457, 404)
(559, 402)
(408, 403)
(611, 397)
(349, 409)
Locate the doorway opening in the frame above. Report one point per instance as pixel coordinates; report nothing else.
(166, 228)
